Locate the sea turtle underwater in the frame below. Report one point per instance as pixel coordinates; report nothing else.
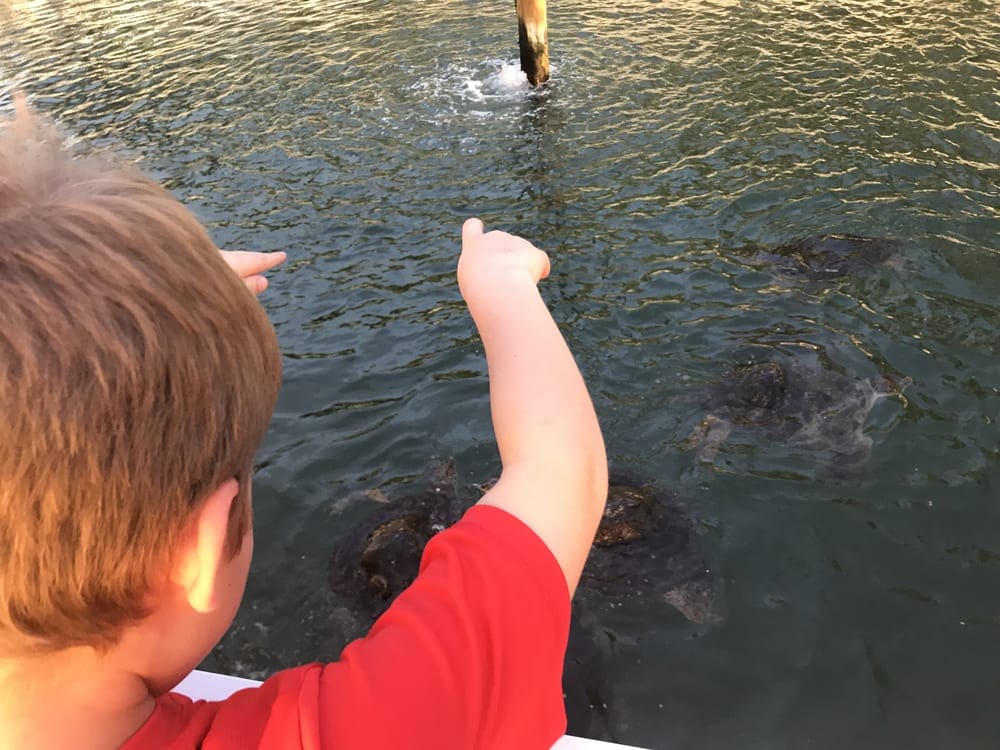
(794, 401)
(823, 256)
(646, 548)
(381, 556)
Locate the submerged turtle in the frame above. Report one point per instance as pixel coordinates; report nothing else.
(800, 403)
(647, 547)
(826, 256)
(381, 557)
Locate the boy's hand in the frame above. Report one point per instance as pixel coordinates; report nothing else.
(250, 266)
(491, 262)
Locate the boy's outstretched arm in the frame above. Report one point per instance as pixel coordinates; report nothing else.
(554, 476)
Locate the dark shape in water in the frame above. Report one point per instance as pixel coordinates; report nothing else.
(758, 387)
(796, 402)
(593, 704)
(647, 547)
(827, 255)
(381, 557)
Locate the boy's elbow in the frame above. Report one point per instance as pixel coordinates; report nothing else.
(595, 486)
(560, 492)
(586, 469)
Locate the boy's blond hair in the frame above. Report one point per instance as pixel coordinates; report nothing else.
(137, 374)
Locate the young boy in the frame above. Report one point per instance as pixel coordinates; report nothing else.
(137, 379)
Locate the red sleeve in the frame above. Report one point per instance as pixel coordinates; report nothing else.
(470, 656)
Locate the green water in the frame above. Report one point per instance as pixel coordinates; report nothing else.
(862, 608)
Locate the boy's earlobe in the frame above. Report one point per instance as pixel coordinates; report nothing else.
(203, 548)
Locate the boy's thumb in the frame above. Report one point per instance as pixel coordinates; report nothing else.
(471, 228)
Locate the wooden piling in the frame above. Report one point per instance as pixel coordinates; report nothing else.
(533, 39)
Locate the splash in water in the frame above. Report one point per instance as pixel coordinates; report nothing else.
(484, 90)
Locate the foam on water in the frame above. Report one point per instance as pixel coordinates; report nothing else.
(483, 90)
(510, 78)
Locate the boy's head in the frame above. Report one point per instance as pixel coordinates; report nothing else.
(137, 376)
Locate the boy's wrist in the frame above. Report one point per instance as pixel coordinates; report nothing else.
(506, 291)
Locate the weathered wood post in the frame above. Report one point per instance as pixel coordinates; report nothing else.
(533, 39)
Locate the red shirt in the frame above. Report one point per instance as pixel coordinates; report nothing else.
(470, 656)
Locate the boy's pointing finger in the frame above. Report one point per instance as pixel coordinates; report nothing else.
(247, 264)
(472, 228)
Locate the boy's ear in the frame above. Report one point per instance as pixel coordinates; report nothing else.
(203, 548)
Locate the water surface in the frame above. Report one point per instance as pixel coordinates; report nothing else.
(862, 608)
